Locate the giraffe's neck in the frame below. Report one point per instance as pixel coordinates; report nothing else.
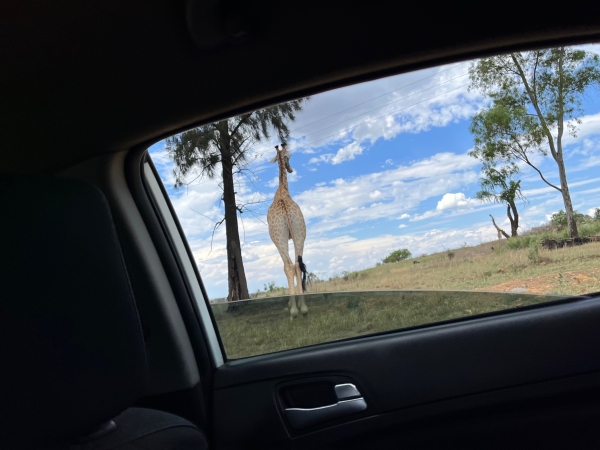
(283, 182)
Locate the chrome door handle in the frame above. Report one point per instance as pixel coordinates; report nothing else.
(304, 417)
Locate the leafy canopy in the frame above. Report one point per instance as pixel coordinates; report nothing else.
(200, 150)
(534, 96)
(398, 255)
(497, 186)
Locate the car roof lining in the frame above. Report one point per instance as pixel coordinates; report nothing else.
(127, 72)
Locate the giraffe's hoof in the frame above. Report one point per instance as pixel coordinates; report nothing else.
(304, 311)
(293, 313)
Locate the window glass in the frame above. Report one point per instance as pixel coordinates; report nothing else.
(429, 196)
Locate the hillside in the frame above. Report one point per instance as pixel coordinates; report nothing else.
(571, 271)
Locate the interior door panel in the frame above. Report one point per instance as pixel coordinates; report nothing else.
(525, 371)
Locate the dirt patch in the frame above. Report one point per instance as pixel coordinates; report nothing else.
(547, 284)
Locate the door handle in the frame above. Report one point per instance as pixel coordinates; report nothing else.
(304, 417)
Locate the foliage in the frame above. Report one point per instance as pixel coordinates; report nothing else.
(497, 186)
(521, 242)
(533, 254)
(533, 94)
(597, 214)
(398, 255)
(202, 150)
(270, 287)
(559, 219)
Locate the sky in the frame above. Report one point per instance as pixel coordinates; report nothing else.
(378, 166)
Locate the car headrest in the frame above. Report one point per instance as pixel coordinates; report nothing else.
(71, 347)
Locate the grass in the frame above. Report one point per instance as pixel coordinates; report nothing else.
(391, 296)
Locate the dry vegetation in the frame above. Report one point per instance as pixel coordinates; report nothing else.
(572, 271)
(264, 326)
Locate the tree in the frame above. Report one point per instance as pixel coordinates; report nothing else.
(398, 255)
(597, 214)
(535, 96)
(225, 145)
(497, 186)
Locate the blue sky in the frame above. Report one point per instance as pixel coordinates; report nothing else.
(378, 166)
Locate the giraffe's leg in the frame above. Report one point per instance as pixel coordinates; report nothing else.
(289, 272)
(279, 232)
(299, 235)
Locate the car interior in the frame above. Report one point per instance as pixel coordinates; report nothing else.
(106, 335)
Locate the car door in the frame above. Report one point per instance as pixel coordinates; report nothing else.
(514, 371)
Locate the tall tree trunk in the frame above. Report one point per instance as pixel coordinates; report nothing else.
(514, 218)
(238, 288)
(573, 232)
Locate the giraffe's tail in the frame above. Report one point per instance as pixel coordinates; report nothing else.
(304, 272)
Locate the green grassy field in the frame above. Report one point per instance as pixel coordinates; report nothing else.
(263, 325)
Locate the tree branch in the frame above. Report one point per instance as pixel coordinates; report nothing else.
(499, 229)
(526, 160)
(217, 225)
(533, 97)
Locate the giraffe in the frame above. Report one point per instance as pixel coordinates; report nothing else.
(286, 222)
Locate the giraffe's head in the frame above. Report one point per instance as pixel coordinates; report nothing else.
(284, 157)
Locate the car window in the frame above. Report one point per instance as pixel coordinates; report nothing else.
(434, 195)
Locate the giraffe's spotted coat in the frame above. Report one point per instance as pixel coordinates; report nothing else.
(286, 222)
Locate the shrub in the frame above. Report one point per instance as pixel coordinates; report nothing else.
(518, 242)
(398, 255)
(597, 214)
(590, 228)
(559, 219)
(533, 253)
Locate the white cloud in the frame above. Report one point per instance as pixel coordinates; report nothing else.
(347, 153)
(401, 189)
(407, 103)
(456, 201)
(404, 216)
(402, 225)
(425, 215)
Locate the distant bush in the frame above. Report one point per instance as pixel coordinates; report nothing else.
(597, 214)
(398, 255)
(590, 228)
(559, 219)
(270, 287)
(587, 227)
